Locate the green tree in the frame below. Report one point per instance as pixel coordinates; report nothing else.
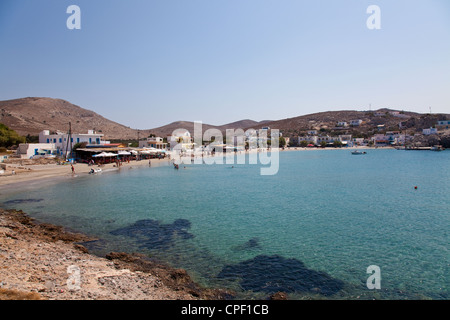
(32, 139)
(337, 144)
(282, 142)
(323, 144)
(303, 144)
(9, 137)
(79, 145)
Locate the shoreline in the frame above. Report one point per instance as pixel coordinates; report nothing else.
(39, 173)
(35, 262)
(26, 174)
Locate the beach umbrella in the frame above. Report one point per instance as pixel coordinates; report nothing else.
(125, 153)
(103, 154)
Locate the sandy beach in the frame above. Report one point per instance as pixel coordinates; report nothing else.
(33, 173)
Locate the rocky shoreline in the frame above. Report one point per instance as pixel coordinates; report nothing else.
(36, 261)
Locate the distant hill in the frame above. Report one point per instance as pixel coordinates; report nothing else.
(189, 125)
(32, 115)
(329, 121)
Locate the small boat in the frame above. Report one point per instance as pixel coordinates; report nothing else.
(358, 152)
(94, 171)
(437, 148)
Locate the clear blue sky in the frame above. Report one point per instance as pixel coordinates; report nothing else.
(149, 63)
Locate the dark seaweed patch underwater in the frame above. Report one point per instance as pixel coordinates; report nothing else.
(275, 273)
(20, 201)
(252, 244)
(152, 234)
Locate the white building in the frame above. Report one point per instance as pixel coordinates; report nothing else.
(181, 139)
(429, 131)
(62, 143)
(356, 123)
(309, 139)
(326, 138)
(380, 140)
(153, 142)
(342, 124)
(30, 150)
(358, 142)
(443, 124)
(346, 139)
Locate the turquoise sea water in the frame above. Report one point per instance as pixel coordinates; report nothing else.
(310, 230)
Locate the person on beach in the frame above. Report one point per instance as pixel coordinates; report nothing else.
(73, 169)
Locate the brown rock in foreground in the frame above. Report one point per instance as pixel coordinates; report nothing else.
(37, 261)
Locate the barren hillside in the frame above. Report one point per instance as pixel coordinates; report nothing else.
(32, 115)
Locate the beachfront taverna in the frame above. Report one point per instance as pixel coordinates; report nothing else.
(61, 142)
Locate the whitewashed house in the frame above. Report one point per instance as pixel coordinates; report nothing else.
(429, 131)
(181, 140)
(309, 139)
(153, 142)
(358, 142)
(443, 124)
(346, 139)
(380, 140)
(62, 143)
(356, 123)
(30, 150)
(326, 138)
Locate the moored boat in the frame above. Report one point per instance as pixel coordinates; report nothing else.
(437, 148)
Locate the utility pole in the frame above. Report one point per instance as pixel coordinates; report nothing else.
(69, 141)
(138, 138)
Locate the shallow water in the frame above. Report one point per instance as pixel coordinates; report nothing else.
(311, 230)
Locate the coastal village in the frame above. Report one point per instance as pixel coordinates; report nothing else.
(91, 147)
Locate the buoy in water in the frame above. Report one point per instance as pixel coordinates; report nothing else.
(415, 187)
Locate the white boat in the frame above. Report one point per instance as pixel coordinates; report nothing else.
(94, 171)
(358, 152)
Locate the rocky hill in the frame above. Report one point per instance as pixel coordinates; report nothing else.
(189, 125)
(340, 122)
(32, 115)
